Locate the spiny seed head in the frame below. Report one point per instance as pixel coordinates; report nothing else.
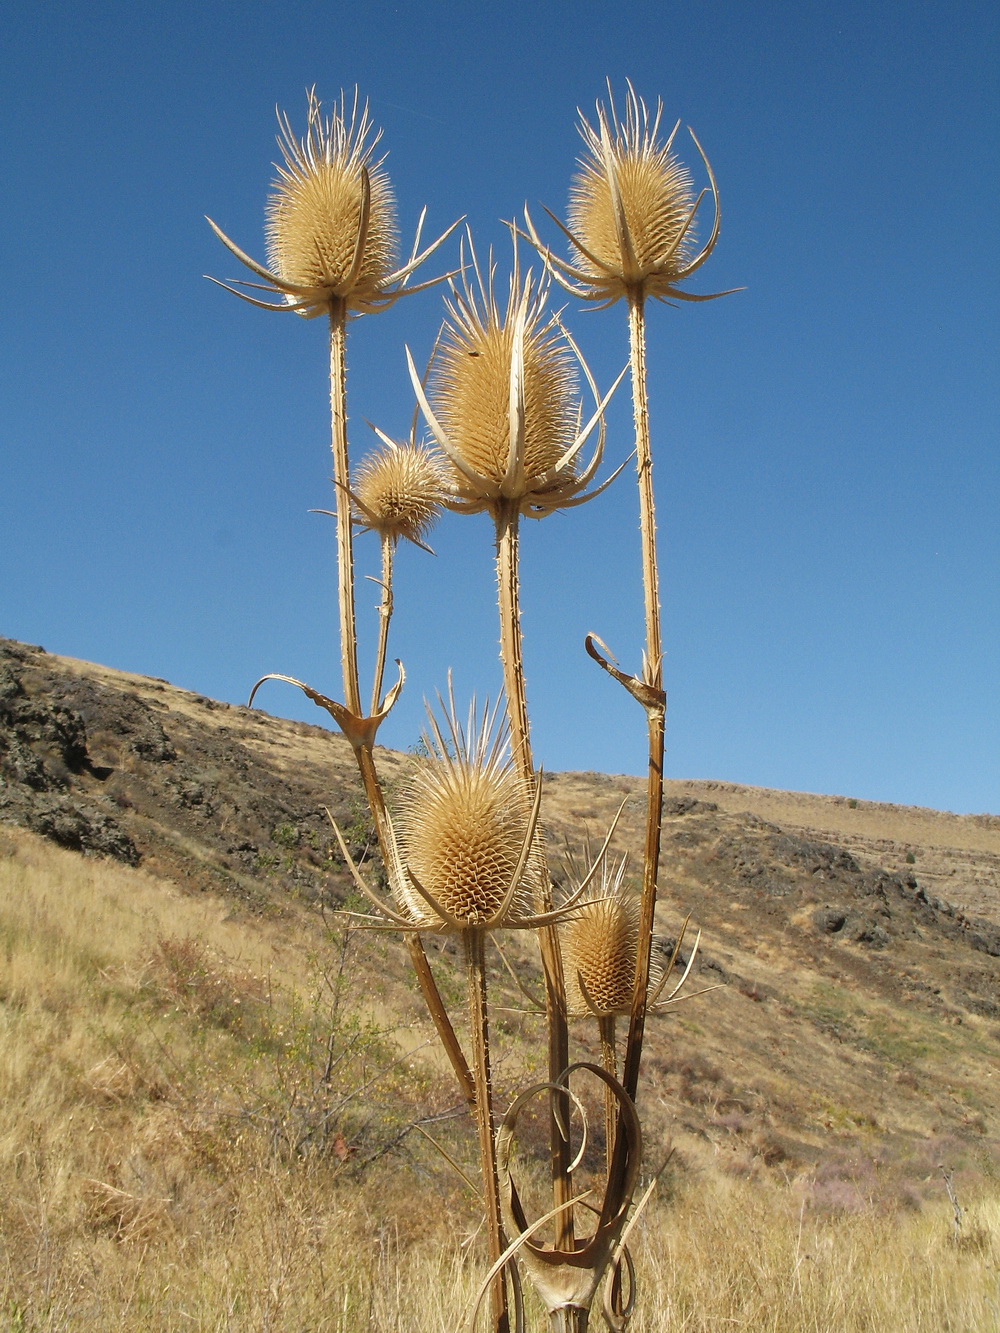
(398, 491)
(599, 947)
(315, 213)
(656, 192)
(471, 389)
(463, 822)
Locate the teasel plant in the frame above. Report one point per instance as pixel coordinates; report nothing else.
(398, 493)
(510, 436)
(332, 238)
(504, 410)
(631, 229)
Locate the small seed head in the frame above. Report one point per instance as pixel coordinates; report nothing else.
(599, 946)
(398, 491)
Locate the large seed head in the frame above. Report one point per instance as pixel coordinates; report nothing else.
(400, 490)
(656, 193)
(315, 211)
(471, 396)
(599, 946)
(461, 828)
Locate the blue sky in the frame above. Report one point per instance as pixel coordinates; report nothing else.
(826, 441)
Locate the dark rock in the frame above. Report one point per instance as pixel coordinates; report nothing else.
(686, 805)
(816, 857)
(82, 830)
(830, 919)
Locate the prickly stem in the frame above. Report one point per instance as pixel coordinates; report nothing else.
(508, 596)
(475, 957)
(609, 1061)
(342, 502)
(654, 712)
(384, 617)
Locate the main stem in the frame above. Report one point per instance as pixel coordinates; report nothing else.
(475, 957)
(342, 506)
(507, 518)
(654, 678)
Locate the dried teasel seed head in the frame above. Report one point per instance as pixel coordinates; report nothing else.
(505, 408)
(463, 823)
(656, 193)
(331, 223)
(327, 229)
(398, 491)
(632, 209)
(599, 942)
(599, 948)
(471, 395)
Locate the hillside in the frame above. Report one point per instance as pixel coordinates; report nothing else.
(856, 946)
(216, 1098)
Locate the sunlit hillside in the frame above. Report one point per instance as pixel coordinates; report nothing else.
(223, 1111)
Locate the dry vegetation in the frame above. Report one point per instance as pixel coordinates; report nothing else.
(172, 1156)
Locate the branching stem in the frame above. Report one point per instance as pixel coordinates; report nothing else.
(349, 668)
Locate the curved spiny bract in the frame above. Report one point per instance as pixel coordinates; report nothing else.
(567, 1280)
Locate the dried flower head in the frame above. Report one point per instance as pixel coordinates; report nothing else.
(599, 941)
(331, 218)
(632, 210)
(466, 852)
(467, 831)
(504, 404)
(332, 233)
(398, 490)
(599, 948)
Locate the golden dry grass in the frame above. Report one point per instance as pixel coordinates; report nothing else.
(154, 1054)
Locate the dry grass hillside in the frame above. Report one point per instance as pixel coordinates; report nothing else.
(216, 1101)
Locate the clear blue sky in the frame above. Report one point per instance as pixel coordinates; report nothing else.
(826, 441)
